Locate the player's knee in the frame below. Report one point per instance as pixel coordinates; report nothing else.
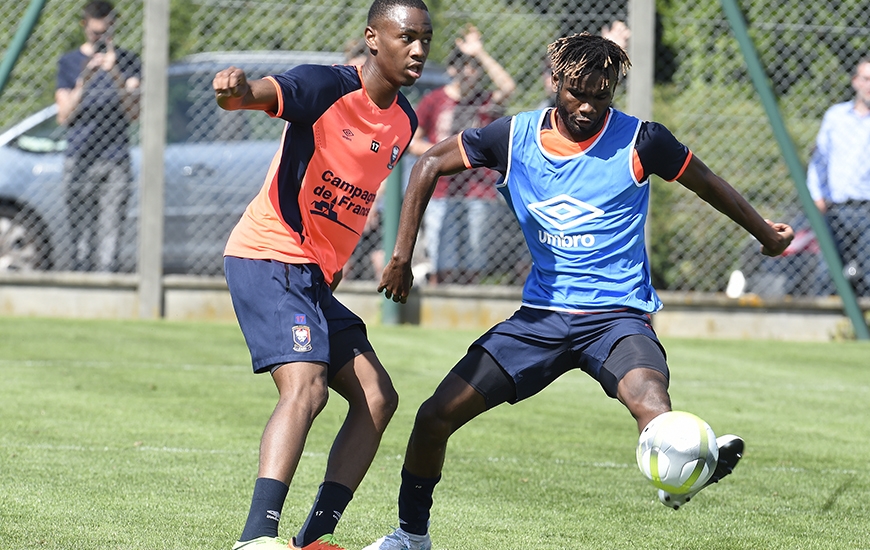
(432, 420)
(383, 404)
(305, 400)
(644, 392)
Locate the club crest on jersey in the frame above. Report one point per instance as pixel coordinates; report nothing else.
(301, 337)
(375, 146)
(394, 156)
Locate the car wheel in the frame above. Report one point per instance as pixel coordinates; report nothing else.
(23, 246)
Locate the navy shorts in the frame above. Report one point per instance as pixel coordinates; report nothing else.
(288, 314)
(536, 346)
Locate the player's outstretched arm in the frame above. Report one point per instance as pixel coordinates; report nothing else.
(233, 91)
(773, 236)
(442, 159)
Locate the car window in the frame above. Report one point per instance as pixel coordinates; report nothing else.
(194, 117)
(45, 137)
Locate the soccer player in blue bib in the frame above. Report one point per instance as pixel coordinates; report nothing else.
(577, 178)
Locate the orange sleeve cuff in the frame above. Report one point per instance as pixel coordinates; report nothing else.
(280, 110)
(462, 151)
(683, 168)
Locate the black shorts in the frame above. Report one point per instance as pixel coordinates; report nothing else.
(534, 347)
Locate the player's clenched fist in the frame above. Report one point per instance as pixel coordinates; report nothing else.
(233, 90)
(230, 83)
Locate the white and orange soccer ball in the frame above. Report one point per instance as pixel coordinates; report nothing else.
(677, 452)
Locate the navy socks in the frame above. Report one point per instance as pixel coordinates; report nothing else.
(332, 498)
(415, 502)
(266, 505)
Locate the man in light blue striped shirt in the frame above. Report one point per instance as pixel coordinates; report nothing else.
(839, 177)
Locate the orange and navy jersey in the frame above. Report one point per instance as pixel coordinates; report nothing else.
(337, 148)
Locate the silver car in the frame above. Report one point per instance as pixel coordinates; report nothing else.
(215, 162)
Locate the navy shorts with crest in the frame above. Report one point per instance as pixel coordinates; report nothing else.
(288, 314)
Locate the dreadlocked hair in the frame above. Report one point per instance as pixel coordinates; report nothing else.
(580, 54)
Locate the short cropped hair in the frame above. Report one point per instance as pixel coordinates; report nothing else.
(574, 56)
(98, 9)
(381, 8)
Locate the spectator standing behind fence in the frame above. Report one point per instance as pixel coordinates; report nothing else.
(839, 177)
(97, 96)
(466, 199)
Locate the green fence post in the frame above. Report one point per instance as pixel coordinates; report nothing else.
(31, 17)
(390, 312)
(795, 167)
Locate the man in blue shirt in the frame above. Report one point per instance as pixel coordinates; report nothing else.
(839, 177)
(577, 178)
(97, 96)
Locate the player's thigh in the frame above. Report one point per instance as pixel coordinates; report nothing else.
(637, 365)
(482, 372)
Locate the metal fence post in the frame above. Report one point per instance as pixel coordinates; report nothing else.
(151, 183)
(19, 40)
(641, 49)
(639, 85)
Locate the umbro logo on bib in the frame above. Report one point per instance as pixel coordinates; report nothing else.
(565, 212)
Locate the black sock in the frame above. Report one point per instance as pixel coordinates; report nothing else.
(329, 504)
(266, 505)
(415, 501)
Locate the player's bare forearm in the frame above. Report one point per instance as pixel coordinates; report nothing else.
(774, 237)
(397, 278)
(233, 91)
(442, 159)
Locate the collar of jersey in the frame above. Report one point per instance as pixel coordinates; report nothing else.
(557, 144)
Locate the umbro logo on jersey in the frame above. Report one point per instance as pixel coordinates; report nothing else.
(347, 134)
(565, 212)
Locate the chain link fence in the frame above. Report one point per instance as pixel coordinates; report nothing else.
(216, 161)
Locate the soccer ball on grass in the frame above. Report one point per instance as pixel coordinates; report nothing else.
(677, 452)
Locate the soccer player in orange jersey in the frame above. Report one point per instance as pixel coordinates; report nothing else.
(346, 128)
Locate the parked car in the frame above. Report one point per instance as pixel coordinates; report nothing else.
(215, 162)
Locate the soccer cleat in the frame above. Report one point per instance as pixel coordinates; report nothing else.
(326, 542)
(401, 540)
(263, 543)
(730, 452)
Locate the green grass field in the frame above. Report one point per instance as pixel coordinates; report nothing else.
(143, 435)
